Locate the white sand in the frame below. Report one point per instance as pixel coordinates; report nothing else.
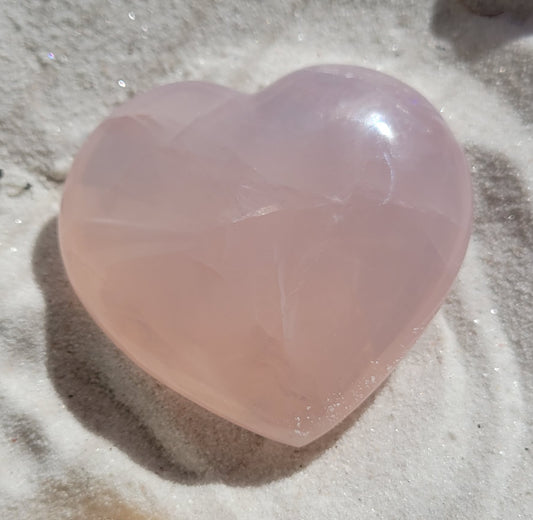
(86, 435)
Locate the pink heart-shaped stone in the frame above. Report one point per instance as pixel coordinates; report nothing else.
(269, 256)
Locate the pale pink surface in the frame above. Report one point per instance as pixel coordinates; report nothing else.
(270, 257)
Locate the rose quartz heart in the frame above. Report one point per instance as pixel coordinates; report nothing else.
(269, 256)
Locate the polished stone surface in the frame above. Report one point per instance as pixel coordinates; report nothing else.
(269, 256)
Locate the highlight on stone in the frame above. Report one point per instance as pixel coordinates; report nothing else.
(270, 256)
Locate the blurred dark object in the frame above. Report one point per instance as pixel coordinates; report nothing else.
(496, 7)
(482, 39)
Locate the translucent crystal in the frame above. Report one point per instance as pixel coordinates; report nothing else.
(269, 256)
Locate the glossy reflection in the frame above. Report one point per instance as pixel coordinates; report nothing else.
(271, 257)
(377, 123)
